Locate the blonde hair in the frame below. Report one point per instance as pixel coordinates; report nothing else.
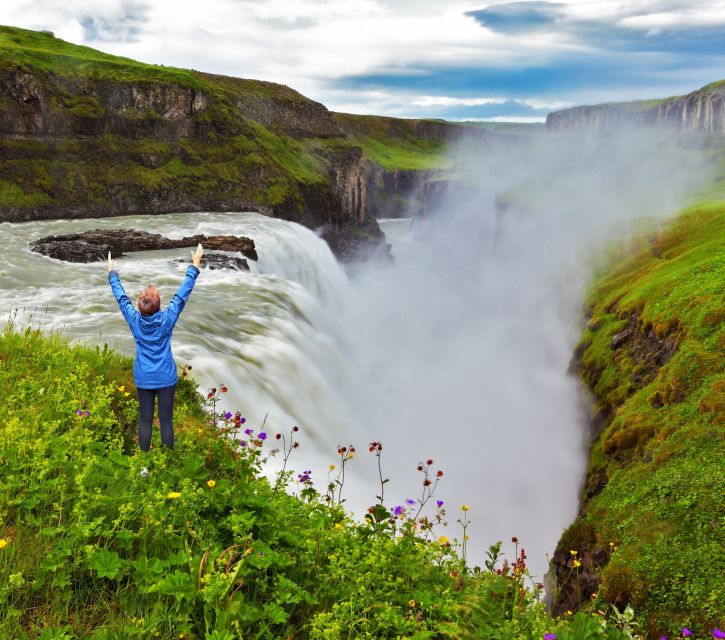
(149, 301)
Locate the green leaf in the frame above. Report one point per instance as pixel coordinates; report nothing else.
(105, 563)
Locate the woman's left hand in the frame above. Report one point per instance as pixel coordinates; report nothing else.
(111, 263)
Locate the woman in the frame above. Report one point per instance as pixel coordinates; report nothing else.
(154, 369)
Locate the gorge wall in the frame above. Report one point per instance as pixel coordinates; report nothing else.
(702, 110)
(86, 134)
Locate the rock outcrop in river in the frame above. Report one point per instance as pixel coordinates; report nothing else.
(95, 245)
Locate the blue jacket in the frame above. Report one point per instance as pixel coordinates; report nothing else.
(154, 366)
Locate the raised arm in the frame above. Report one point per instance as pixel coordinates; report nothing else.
(176, 306)
(124, 302)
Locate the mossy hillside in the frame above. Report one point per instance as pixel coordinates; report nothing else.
(204, 547)
(248, 143)
(655, 494)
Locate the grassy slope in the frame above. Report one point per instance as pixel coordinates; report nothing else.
(89, 549)
(663, 505)
(230, 156)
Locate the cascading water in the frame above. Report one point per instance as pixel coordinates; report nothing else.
(457, 351)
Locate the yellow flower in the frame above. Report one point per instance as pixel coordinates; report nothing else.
(443, 540)
(577, 563)
(568, 612)
(411, 604)
(126, 394)
(465, 507)
(350, 456)
(573, 551)
(3, 543)
(173, 495)
(211, 483)
(332, 467)
(122, 388)
(338, 525)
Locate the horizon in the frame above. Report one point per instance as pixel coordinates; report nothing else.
(501, 62)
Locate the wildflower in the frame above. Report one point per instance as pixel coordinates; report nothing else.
(443, 540)
(332, 467)
(278, 436)
(409, 501)
(350, 455)
(686, 632)
(126, 394)
(338, 526)
(465, 507)
(242, 443)
(549, 636)
(173, 495)
(262, 436)
(211, 483)
(716, 633)
(439, 503)
(568, 612)
(398, 510)
(3, 543)
(87, 414)
(79, 412)
(573, 552)
(411, 604)
(514, 539)
(228, 415)
(429, 462)
(439, 474)
(122, 388)
(295, 429)
(577, 563)
(224, 389)
(420, 467)
(248, 432)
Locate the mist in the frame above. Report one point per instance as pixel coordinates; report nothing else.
(464, 342)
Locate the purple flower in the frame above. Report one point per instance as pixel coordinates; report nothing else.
(686, 632)
(716, 633)
(227, 415)
(549, 636)
(663, 638)
(88, 413)
(262, 436)
(409, 501)
(242, 421)
(242, 443)
(439, 503)
(398, 510)
(248, 432)
(79, 412)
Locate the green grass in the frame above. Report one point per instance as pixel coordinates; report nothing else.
(205, 548)
(663, 505)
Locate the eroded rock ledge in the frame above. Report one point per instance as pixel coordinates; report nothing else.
(94, 245)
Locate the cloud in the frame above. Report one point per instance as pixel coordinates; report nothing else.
(395, 55)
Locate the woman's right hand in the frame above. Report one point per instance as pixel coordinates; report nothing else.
(196, 257)
(111, 263)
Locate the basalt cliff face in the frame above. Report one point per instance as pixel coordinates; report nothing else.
(85, 134)
(702, 110)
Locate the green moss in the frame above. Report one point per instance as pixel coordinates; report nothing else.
(664, 498)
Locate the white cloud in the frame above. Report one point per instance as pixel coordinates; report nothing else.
(448, 101)
(312, 44)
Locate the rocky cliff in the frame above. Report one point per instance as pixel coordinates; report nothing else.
(86, 134)
(702, 110)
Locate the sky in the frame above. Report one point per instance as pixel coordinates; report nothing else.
(486, 60)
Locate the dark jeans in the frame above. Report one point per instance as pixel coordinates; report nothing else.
(146, 398)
